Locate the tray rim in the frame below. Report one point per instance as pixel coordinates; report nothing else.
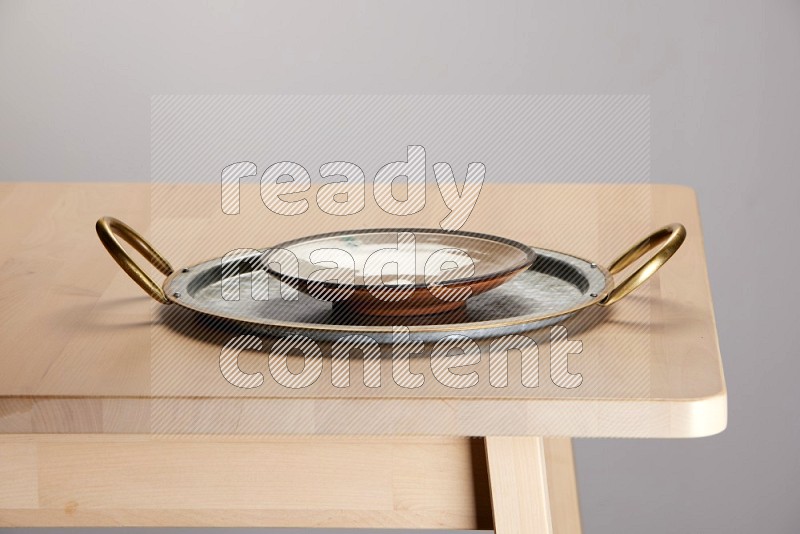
(500, 325)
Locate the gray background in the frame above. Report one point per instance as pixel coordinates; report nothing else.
(724, 80)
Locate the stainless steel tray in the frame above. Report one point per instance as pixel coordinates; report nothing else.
(556, 286)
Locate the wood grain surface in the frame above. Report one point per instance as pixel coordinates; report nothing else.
(128, 480)
(85, 350)
(62, 480)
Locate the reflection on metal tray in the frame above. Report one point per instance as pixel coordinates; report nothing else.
(556, 286)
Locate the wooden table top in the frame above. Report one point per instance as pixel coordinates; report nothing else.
(84, 350)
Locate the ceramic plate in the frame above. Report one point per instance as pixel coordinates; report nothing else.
(397, 271)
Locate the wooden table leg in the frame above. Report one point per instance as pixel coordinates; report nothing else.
(533, 487)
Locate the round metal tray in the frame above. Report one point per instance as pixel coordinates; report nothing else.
(555, 287)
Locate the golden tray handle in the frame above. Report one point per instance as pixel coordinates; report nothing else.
(109, 227)
(667, 239)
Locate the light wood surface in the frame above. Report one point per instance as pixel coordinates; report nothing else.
(114, 412)
(533, 486)
(518, 478)
(441, 483)
(129, 480)
(562, 486)
(84, 350)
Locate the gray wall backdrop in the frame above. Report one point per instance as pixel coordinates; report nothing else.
(724, 80)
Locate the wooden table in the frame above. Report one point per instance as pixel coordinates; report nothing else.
(111, 415)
